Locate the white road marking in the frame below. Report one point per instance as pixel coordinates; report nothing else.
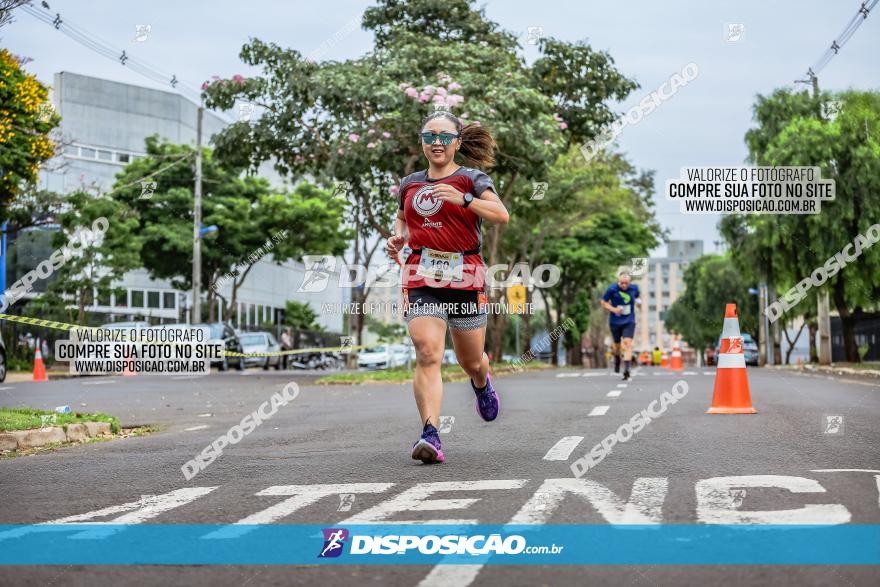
(416, 499)
(445, 575)
(592, 374)
(194, 428)
(689, 373)
(599, 411)
(708, 373)
(716, 506)
(561, 375)
(8, 387)
(614, 393)
(622, 385)
(844, 471)
(563, 449)
(303, 495)
(147, 507)
(98, 382)
(204, 415)
(645, 504)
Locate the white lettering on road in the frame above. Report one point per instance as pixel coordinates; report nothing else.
(644, 506)
(147, 507)
(599, 411)
(416, 500)
(715, 505)
(614, 393)
(303, 495)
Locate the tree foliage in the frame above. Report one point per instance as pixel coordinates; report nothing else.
(711, 282)
(26, 120)
(784, 249)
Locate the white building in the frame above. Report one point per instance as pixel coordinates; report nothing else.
(104, 125)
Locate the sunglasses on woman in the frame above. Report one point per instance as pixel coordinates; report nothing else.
(446, 138)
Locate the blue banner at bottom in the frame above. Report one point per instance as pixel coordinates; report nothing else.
(288, 544)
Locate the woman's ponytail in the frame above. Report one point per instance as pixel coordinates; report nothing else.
(477, 144)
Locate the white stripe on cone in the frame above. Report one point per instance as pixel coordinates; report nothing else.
(731, 361)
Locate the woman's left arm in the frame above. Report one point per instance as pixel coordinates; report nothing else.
(488, 206)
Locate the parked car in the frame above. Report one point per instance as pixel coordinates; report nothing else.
(750, 350)
(120, 325)
(2, 360)
(377, 357)
(403, 353)
(261, 342)
(216, 332)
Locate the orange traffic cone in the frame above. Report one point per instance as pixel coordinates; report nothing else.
(39, 369)
(731, 383)
(676, 363)
(664, 360)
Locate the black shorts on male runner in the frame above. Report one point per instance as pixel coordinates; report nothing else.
(619, 331)
(461, 309)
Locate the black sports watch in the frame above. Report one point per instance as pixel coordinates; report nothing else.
(468, 198)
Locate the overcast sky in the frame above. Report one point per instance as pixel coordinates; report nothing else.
(703, 124)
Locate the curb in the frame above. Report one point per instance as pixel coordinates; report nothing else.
(28, 376)
(832, 370)
(37, 437)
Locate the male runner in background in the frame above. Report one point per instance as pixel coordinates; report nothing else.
(620, 299)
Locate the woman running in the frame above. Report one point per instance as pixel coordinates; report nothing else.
(440, 213)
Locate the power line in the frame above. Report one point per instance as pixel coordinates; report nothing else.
(98, 45)
(841, 40)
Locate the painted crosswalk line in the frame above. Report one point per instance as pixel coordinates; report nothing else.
(599, 411)
(563, 449)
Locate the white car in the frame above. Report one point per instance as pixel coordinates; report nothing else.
(377, 357)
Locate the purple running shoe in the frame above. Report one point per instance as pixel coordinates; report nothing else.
(488, 404)
(428, 449)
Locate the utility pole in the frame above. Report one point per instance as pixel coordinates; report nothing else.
(197, 225)
(763, 325)
(823, 310)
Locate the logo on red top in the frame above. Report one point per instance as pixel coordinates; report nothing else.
(425, 203)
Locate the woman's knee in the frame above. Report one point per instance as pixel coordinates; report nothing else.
(471, 364)
(428, 355)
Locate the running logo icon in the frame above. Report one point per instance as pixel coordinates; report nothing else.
(318, 270)
(334, 541)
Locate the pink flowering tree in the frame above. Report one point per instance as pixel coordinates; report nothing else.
(355, 123)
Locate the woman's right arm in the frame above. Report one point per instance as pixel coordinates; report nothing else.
(396, 241)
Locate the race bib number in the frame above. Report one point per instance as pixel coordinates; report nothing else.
(440, 265)
(626, 310)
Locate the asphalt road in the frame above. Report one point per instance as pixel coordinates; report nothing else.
(362, 434)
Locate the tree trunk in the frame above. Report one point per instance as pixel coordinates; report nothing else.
(790, 342)
(848, 322)
(814, 353)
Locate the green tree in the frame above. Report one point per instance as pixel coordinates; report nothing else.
(387, 332)
(301, 316)
(356, 122)
(785, 249)
(98, 264)
(26, 119)
(252, 220)
(592, 219)
(711, 282)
